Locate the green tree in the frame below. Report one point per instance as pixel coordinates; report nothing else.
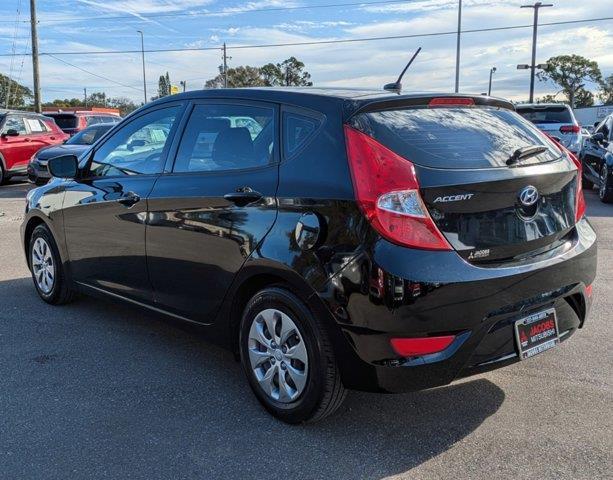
(288, 72)
(571, 72)
(19, 95)
(164, 85)
(294, 73)
(606, 90)
(123, 104)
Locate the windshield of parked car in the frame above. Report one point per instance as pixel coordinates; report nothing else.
(89, 136)
(546, 114)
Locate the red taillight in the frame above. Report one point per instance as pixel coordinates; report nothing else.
(387, 191)
(580, 205)
(589, 291)
(570, 129)
(410, 347)
(451, 102)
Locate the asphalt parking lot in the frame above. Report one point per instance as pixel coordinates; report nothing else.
(99, 390)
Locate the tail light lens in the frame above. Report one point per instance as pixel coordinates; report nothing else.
(451, 102)
(580, 206)
(410, 347)
(387, 192)
(570, 129)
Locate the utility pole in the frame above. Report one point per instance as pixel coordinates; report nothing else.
(489, 88)
(225, 66)
(85, 97)
(142, 50)
(457, 53)
(533, 66)
(35, 71)
(183, 83)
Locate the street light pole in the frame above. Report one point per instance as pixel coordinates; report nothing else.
(489, 88)
(533, 65)
(457, 54)
(142, 49)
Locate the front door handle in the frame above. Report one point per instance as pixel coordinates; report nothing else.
(243, 196)
(129, 199)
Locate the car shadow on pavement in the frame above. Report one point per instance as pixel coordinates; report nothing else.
(99, 390)
(15, 188)
(596, 208)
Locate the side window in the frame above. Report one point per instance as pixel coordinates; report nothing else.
(16, 123)
(35, 125)
(226, 137)
(138, 147)
(610, 128)
(297, 130)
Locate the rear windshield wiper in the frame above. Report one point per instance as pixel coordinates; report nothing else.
(526, 152)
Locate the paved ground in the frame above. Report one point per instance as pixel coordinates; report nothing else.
(97, 390)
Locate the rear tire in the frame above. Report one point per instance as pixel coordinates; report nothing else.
(48, 272)
(3, 177)
(605, 190)
(291, 370)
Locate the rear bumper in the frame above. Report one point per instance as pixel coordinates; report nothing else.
(393, 291)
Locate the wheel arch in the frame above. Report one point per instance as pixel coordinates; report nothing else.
(252, 278)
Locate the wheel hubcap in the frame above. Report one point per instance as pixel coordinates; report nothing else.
(43, 265)
(278, 355)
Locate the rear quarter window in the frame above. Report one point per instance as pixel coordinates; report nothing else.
(298, 130)
(455, 137)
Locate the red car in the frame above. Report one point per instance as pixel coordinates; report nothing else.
(74, 121)
(22, 134)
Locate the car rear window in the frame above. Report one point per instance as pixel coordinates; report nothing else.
(546, 114)
(455, 137)
(64, 120)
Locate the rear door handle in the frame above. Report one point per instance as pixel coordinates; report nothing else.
(243, 196)
(129, 199)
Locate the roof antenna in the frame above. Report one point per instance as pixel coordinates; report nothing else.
(397, 86)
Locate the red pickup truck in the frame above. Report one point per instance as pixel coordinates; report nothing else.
(22, 134)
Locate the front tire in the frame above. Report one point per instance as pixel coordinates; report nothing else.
(3, 178)
(605, 192)
(48, 272)
(288, 358)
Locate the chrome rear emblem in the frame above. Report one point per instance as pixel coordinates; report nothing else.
(528, 196)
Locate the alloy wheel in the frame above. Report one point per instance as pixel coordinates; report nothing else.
(278, 355)
(43, 265)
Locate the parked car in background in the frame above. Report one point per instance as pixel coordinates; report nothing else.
(350, 239)
(22, 134)
(73, 121)
(556, 120)
(597, 159)
(76, 145)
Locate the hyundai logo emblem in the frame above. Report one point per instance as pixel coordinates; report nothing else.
(528, 196)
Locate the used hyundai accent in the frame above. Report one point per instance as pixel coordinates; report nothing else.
(333, 239)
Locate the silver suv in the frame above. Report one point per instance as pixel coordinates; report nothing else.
(556, 120)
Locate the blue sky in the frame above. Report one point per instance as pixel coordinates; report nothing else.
(80, 25)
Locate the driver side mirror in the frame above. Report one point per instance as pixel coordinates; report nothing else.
(65, 166)
(11, 132)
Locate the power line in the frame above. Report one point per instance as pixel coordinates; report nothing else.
(321, 42)
(92, 73)
(227, 11)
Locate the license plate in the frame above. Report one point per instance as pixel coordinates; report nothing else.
(537, 333)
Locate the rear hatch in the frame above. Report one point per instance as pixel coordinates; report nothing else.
(555, 120)
(488, 211)
(68, 122)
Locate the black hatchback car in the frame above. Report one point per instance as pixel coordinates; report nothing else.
(333, 239)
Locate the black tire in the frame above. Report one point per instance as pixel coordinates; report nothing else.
(605, 191)
(62, 290)
(3, 177)
(323, 392)
(587, 184)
